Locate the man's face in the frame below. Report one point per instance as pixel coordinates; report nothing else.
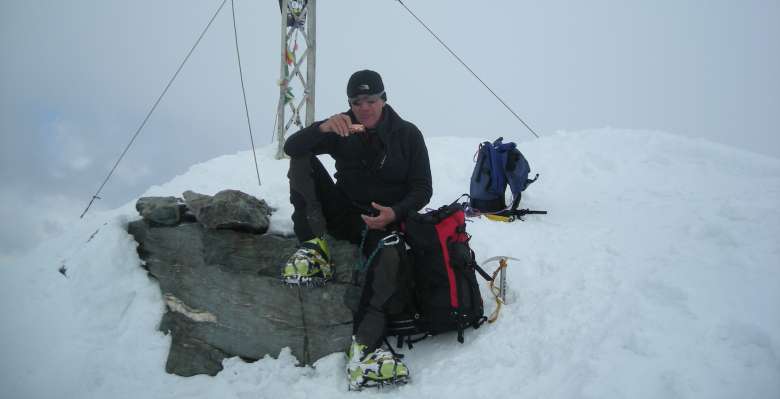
(367, 109)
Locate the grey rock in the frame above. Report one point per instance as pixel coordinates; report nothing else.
(165, 211)
(224, 297)
(189, 356)
(229, 209)
(195, 201)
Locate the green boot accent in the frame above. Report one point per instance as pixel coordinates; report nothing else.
(376, 369)
(309, 265)
(322, 245)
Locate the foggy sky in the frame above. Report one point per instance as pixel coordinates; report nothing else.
(78, 77)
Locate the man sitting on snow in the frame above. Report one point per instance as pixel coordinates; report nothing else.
(382, 175)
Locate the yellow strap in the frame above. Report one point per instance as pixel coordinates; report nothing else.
(494, 316)
(497, 218)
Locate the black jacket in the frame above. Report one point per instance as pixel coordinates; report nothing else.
(392, 171)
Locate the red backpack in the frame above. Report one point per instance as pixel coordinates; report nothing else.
(446, 295)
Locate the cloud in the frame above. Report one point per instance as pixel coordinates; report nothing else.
(29, 220)
(133, 174)
(67, 147)
(80, 163)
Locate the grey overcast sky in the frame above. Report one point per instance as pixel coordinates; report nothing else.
(78, 77)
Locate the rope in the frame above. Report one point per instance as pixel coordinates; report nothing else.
(469, 69)
(148, 115)
(243, 90)
(389, 240)
(362, 265)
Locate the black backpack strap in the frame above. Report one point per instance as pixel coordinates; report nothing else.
(481, 160)
(529, 181)
(516, 201)
(518, 196)
(482, 272)
(390, 347)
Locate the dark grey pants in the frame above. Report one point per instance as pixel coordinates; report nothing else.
(320, 207)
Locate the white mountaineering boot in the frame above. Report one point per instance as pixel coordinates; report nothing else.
(309, 265)
(376, 369)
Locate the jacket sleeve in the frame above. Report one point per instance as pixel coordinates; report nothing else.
(309, 140)
(419, 180)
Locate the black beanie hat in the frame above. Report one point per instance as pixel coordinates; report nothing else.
(365, 82)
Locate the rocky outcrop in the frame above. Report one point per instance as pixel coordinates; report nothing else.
(229, 209)
(220, 283)
(162, 211)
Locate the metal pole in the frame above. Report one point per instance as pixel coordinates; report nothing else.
(502, 280)
(282, 85)
(301, 21)
(311, 58)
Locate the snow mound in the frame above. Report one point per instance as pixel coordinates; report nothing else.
(655, 274)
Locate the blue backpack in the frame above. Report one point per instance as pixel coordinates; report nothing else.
(498, 165)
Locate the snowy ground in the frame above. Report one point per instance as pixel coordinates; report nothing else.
(656, 274)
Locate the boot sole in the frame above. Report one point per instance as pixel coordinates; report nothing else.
(380, 384)
(295, 281)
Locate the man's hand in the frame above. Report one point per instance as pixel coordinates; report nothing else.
(385, 217)
(339, 124)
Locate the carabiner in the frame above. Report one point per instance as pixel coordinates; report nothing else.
(391, 239)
